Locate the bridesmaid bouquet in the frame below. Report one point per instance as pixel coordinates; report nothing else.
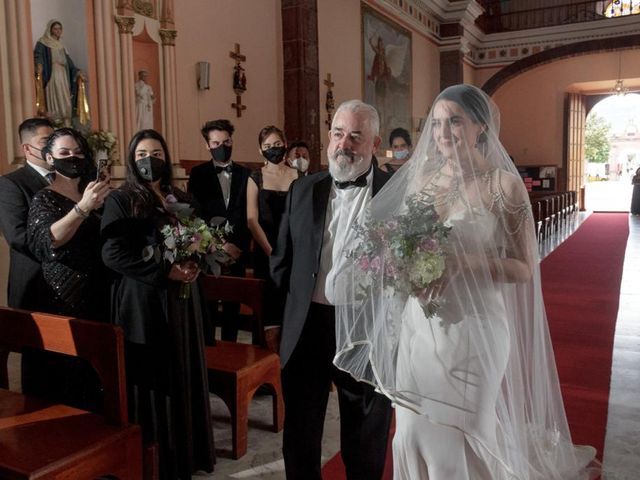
(407, 252)
(190, 238)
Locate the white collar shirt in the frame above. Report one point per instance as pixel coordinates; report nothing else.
(224, 178)
(345, 206)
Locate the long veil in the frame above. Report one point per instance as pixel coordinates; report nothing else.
(441, 305)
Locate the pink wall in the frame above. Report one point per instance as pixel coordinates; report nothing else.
(207, 31)
(340, 53)
(531, 104)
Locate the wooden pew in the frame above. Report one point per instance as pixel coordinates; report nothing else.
(237, 370)
(40, 439)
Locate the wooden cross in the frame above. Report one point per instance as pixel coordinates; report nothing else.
(328, 82)
(237, 56)
(238, 106)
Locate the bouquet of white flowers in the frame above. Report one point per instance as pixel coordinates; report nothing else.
(102, 140)
(409, 252)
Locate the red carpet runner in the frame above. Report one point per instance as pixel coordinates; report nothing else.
(581, 286)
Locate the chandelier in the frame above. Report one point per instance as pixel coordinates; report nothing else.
(619, 89)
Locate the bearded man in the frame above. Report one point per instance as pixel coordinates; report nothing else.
(313, 239)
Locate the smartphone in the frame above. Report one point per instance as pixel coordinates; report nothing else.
(103, 170)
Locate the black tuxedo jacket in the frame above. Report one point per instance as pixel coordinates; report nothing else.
(205, 188)
(296, 258)
(26, 283)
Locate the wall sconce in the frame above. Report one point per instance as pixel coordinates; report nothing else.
(203, 69)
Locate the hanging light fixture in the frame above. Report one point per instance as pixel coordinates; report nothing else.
(619, 89)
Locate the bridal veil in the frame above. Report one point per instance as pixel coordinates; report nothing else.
(471, 350)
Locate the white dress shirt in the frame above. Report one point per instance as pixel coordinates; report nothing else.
(224, 178)
(345, 206)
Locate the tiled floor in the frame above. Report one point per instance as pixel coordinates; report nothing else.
(622, 449)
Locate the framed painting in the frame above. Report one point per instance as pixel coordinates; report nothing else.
(386, 61)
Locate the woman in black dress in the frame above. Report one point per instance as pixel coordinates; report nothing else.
(164, 340)
(266, 194)
(635, 198)
(63, 230)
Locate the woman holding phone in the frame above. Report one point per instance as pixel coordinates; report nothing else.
(63, 231)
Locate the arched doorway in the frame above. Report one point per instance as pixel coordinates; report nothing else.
(612, 153)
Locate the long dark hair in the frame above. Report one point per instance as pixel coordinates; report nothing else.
(89, 172)
(144, 199)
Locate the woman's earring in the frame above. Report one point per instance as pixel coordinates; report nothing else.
(481, 140)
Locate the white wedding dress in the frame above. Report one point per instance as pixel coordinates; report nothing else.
(457, 440)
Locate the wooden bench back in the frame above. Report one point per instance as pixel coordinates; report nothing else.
(242, 290)
(99, 343)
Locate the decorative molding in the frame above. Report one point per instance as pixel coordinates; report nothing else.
(550, 55)
(125, 24)
(437, 19)
(144, 8)
(168, 37)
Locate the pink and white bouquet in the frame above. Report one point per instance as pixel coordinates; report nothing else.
(190, 238)
(407, 253)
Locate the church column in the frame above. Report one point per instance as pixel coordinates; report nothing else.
(301, 74)
(18, 83)
(170, 93)
(127, 78)
(107, 73)
(456, 36)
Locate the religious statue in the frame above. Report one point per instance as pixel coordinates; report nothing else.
(144, 102)
(60, 86)
(239, 79)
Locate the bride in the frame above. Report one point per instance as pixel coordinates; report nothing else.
(474, 380)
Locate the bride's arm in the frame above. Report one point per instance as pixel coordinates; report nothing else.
(520, 244)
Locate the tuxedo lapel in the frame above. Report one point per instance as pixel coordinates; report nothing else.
(321, 192)
(33, 178)
(236, 183)
(379, 179)
(216, 189)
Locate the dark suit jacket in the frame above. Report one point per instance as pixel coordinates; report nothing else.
(205, 188)
(296, 259)
(26, 283)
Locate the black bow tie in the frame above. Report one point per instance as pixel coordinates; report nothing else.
(226, 168)
(361, 181)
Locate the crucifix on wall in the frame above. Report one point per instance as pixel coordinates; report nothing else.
(329, 102)
(239, 79)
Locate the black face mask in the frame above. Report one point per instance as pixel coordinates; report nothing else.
(221, 154)
(274, 154)
(70, 167)
(150, 168)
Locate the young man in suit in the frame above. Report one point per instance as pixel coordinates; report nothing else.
(311, 242)
(26, 284)
(220, 188)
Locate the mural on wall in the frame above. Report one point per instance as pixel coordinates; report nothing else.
(386, 61)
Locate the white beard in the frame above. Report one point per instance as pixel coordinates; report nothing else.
(343, 168)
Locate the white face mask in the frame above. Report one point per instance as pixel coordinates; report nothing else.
(400, 154)
(301, 163)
